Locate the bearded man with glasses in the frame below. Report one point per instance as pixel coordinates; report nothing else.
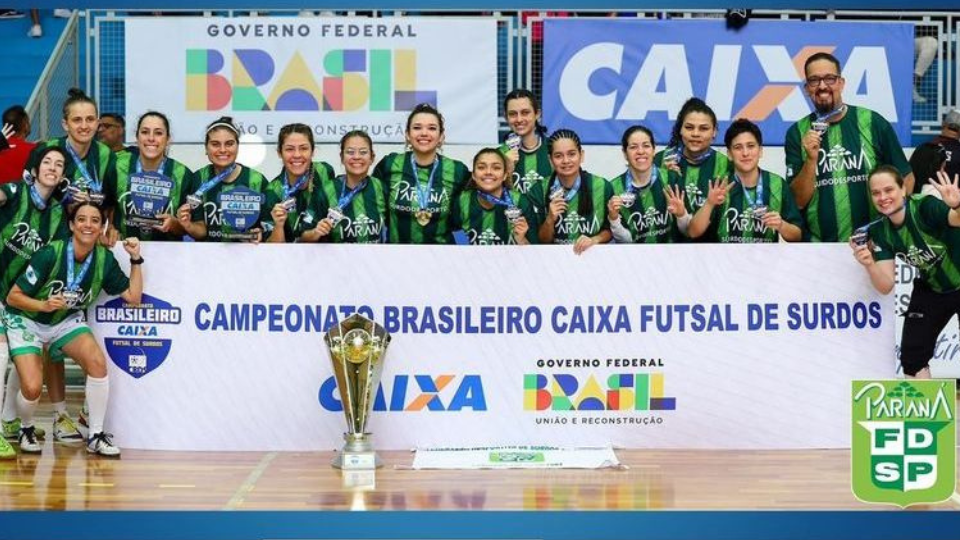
(831, 152)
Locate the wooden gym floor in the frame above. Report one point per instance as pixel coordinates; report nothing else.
(66, 478)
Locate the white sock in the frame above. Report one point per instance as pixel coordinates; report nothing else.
(26, 409)
(60, 408)
(98, 393)
(10, 401)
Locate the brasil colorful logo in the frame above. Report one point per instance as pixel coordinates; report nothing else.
(904, 441)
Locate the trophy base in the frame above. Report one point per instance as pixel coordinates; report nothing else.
(357, 454)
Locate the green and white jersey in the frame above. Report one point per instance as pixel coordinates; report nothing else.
(119, 190)
(734, 221)
(24, 229)
(925, 240)
(211, 211)
(364, 216)
(586, 213)
(532, 168)
(849, 151)
(403, 197)
(490, 227)
(322, 174)
(694, 179)
(46, 276)
(647, 219)
(100, 163)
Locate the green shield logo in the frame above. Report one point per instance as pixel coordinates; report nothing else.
(904, 441)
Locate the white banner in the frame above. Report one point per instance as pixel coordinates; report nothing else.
(675, 346)
(334, 74)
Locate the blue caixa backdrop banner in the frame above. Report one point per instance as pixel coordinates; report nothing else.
(602, 76)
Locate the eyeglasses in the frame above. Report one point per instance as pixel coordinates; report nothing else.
(352, 152)
(829, 80)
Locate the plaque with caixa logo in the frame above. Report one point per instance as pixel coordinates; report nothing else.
(904, 441)
(134, 335)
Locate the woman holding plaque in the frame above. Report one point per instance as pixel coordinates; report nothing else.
(488, 211)
(421, 184)
(644, 209)
(149, 185)
(227, 201)
(29, 218)
(351, 208)
(689, 161)
(576, 202)
(46, 310)
(923, 231)
(289, 194)
(90, 164)
(757, 206)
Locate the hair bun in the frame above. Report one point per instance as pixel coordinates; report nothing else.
(76, 93)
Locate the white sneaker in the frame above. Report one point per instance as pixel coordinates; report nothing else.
(35, 31)
(101, 444)
(917, 98)
(62, 13)
(29, 444)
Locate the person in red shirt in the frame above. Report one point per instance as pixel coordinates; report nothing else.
(13, 155)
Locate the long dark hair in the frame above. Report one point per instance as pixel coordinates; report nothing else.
(585, 205)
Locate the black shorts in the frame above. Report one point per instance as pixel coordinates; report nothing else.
(926, 316)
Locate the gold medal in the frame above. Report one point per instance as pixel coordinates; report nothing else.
(423, 217)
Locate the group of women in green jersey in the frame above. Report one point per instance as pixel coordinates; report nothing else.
(78, 199)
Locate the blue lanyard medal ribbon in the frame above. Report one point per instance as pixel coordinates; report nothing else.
(757, 208)
(512, 212)
(35, 196)
(91, 183)
(195, 199)
(822, 123)
(343, 201)
(629, 196)
(71, 292)
(693, 161)
(557, 190)
(289, 202)
(861, 235)
(423, 194)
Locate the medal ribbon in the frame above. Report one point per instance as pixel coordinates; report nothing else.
(92, 182)
(505, 201)
(206, 186)
(631, 188)
(346, 198)
(289, 190)
(73, 281)
(569, 194)
(758, 198)
(423, 196)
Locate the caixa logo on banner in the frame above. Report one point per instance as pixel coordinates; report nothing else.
(411, 393)
(602, 76)
(139, 347)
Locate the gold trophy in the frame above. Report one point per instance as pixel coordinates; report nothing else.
(357, 347)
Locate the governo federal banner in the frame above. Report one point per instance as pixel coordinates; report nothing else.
(686, 346)
(335, 74)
